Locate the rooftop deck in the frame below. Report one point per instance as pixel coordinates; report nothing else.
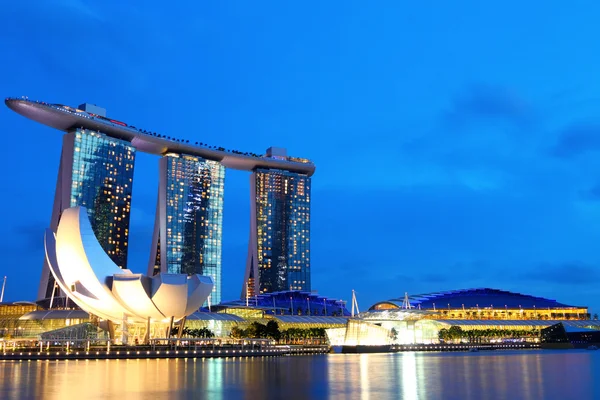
(67, 118)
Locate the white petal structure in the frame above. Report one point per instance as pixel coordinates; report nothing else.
(91, 279)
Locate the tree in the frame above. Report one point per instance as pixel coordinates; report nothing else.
(252, 331)
(394, 334)
(443, 334)
(455, 332)
(201, 333)
(272, 330)
(237, 333)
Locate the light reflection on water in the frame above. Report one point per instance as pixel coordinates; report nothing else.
(489, 375)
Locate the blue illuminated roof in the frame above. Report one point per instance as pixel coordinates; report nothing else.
(291, 302)
(311, 320)
(203, 316)
(477, 298)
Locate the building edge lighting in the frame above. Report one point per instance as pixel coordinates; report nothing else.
(66, 118)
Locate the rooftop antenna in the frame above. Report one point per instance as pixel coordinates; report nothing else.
(406, 303)
(2, 294)
(354, 303)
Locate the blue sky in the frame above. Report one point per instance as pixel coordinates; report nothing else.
(456, 144)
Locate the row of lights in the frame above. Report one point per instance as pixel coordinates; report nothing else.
(214, 148)
(461, 347)
(158, 352)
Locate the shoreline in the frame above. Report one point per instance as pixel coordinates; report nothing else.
(133, 353)
(275, 351)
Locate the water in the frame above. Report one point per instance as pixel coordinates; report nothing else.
(533, 374)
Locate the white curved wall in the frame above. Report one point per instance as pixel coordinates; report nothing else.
(96, 284)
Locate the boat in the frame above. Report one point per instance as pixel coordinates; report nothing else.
(592, 347)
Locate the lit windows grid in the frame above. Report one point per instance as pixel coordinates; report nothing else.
(283, 230)
(194, 215)
(102, 181)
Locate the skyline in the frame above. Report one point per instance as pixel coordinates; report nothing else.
(479, 171)
(96, 170)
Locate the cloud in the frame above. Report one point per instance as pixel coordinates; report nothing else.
(591, 194)
(437, 278)
(576, 140)
(484, 102)
(566, 273)
(28, 236)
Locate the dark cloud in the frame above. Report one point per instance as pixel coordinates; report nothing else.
(437, 278)
(483, 102)
(591, 194)
(576, 140)
(29, 235)
(567, 273)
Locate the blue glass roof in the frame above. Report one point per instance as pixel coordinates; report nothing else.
(203, 316)
(473, 298)
(292, 303)
(311, 320)
(55, 314)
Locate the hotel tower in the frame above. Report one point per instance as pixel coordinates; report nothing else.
(189, 219)
(279, 245)
(96, 171)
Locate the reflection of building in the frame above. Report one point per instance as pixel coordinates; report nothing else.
(279, 247)
(188, 229)
(95, 171)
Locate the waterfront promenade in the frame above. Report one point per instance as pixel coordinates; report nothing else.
(157, 348)
(464, 347)
(256, 348)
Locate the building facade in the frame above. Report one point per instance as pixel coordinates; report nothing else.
(279, 246)
(95, 171)
(189, 219)
(482, 304)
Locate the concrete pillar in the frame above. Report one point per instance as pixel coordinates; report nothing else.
(124, 332)
(181, 326)
(147, 336)
(111, 330)
(170, 328)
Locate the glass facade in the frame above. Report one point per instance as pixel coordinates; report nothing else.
(283, 230)
(194, 216)
(102, 181)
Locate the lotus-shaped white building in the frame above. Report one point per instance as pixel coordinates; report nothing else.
(87, 275)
